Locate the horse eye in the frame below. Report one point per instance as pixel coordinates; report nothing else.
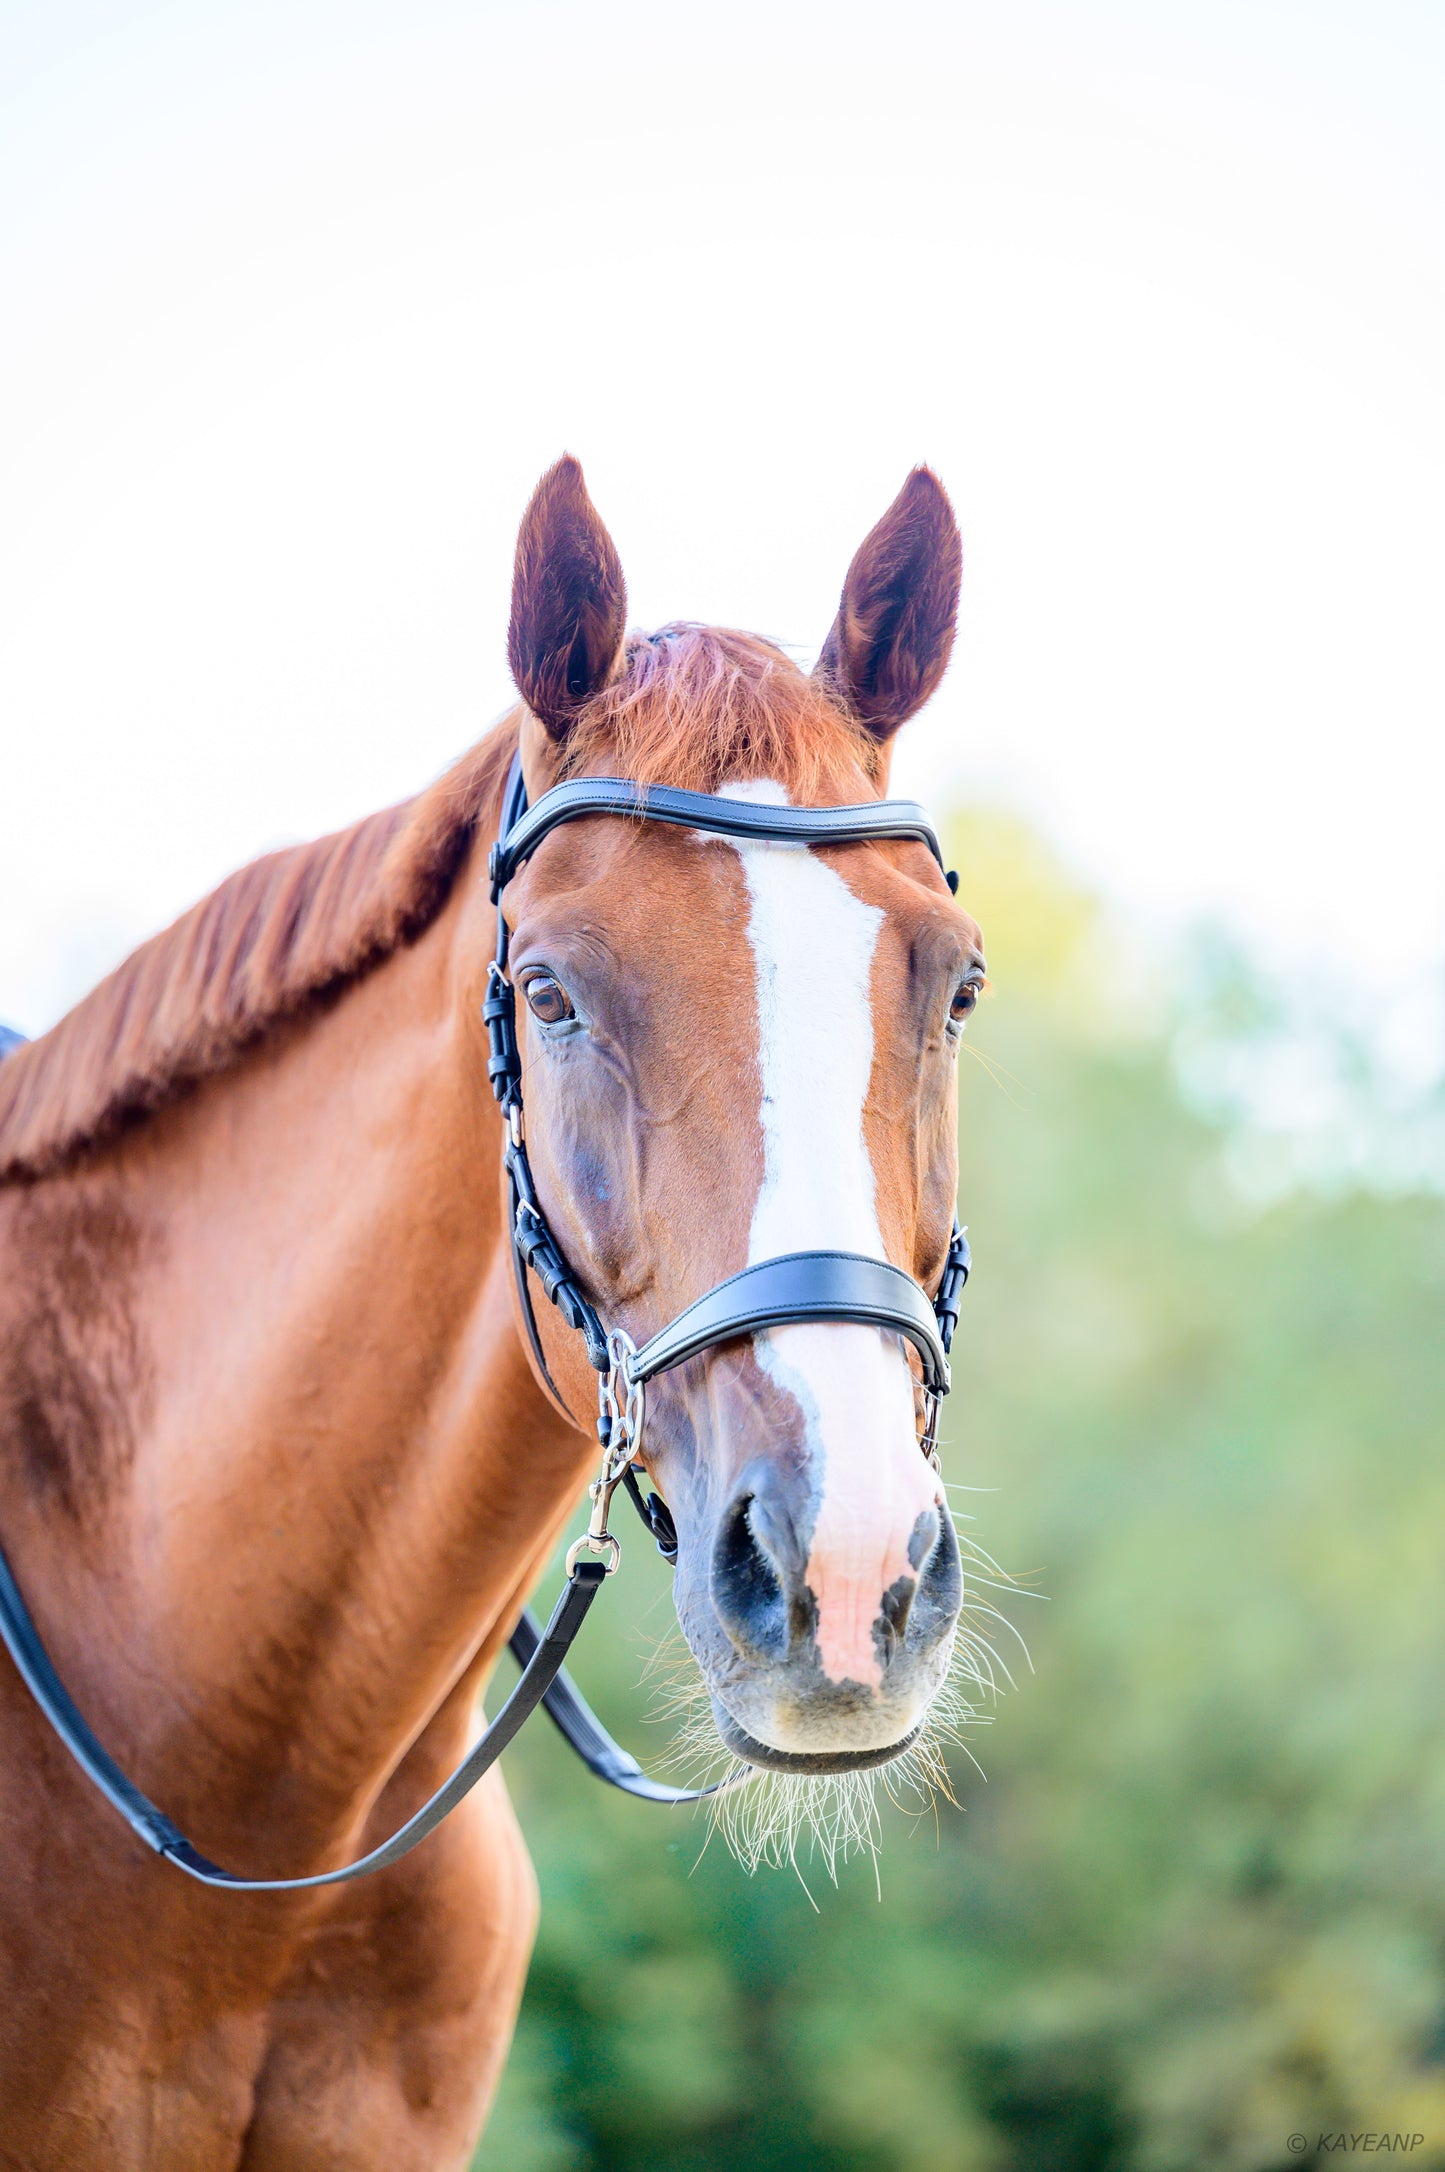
(548, 1000)
(965, 998)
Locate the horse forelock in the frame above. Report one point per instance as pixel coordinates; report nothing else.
(699, 707)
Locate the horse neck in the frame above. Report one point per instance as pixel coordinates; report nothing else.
(324, 1472)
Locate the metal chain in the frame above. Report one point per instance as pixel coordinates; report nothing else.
(621, 1415)
(929, 1442)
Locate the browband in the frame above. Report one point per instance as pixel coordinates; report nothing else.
(703, 811)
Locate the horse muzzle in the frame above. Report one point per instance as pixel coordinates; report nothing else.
(755, 1628)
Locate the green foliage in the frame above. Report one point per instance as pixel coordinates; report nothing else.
(1199, 1904)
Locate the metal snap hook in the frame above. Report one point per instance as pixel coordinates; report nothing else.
(596, 1542)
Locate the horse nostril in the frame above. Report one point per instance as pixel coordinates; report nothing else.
(923, 1538)
(920, 1610)
(897, 1606)
(933, 1602)
(928, 1571)
(748, 1584)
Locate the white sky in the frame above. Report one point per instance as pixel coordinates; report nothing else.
(297, 300)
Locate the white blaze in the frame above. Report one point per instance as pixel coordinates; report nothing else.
(813, 942)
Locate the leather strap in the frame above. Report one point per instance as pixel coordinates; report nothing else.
(569, 1709)
(724, 817)
(800, 1286)
(542, 1653)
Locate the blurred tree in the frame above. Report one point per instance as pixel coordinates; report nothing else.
(1199, 1905)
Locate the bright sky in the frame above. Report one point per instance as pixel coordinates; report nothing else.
(297, 300)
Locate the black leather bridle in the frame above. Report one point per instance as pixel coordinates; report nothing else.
(798, 1286)
(794, 1287)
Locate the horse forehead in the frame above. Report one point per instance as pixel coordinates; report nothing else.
(830, 905)
(694, 910)
(800, 904)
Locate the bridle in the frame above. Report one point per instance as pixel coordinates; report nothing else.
(795, 1287)
(798, 1286)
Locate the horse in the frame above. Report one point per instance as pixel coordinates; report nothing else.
(280, 1457)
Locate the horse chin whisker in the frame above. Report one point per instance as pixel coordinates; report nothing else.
(780, 1819)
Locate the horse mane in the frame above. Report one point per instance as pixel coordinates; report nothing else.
(693, 706)
(281, 937)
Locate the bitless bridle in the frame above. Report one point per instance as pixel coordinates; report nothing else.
(798, 1286)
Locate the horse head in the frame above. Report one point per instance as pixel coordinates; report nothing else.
(735, 1049)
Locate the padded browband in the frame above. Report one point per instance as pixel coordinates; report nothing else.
(702, 811)
(795, 1288)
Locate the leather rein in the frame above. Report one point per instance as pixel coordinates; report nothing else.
(798, 1286)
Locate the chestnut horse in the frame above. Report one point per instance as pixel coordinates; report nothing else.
(277, 1467)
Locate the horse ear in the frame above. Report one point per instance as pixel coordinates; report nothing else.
(569, 600)
(891, 640)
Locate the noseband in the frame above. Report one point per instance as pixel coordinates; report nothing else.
(795, 1287)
